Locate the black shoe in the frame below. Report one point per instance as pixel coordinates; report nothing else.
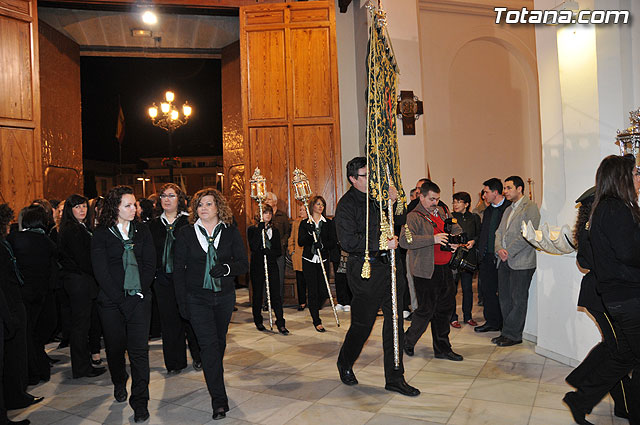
(120, 393)
(283, 330)
(219, 414)
(140, 415)
(408, 351)
(197, 366)
(449, 356)
(578, 415)
(95, 371)
(22, 422)
(320, 329)
(265, 307)
(300, 308)
(403, 388)
(497, 339)
(35, 400)
(172, 372)
(347, 376)
(235, 308)
(506, 342)
(485, 328)
(260, 327)
(96, 362)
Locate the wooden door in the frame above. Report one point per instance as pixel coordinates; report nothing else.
(20, 153)
(290, 98)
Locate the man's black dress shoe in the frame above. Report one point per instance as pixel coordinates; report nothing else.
(449, 356)
(22, 422)
(485, 328)
(260, 327)
(97, 362)
(577, 413)
(506, 342)
(172, 372)
(283, 330)
(120, 393)
(409, 351)
(197, 365)
(96, 371)
(219, 414)
(347, 376)
(403, 388)
(35, 400)
(140, 415)
(496, 339)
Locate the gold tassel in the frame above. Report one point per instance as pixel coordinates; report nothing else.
(407, 234)
(366, 267)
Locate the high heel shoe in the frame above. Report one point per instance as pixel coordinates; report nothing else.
(320, 328)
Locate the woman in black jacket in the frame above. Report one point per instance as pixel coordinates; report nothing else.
(74, 244)
(36, 256)
(258, 252)
(209, 253)
(470, 223)
(124, 263)
(13, 341)
(164, 228)
(614, 230)
(325, 240)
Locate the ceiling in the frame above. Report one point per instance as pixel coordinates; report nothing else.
(105, 30)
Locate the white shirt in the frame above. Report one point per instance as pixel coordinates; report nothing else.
(204, 243)
(165, 220)
(125, 234)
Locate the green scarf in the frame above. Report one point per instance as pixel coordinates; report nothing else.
(167, 258)
(16, 270)
(131, 273)
(212, 259)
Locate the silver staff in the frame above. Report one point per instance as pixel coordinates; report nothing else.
(394, 289)
(303, 193)
(259, 193)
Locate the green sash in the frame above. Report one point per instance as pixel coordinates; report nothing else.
(131, 273)
(212, 259)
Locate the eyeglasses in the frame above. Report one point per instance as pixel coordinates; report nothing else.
(362, 175)
(168, 196)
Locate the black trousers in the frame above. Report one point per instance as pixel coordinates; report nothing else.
(436, 302)
(466, 282)
(258, 290)
(343, 293)
(301, 286)
(210, 322)
(488, 274)
(15, 378)
(369, 295)
(64, 313)
(132, 336)
(38, 363)
(48, 320)
(316, 288)
(621, 391)
(95, 330)
(625, 318)
(175, 330)
(80, 289)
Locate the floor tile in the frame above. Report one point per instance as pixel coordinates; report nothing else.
(442, 383)
(268, 409)
(480, 412)
(360, 397)
(503, 391)
(525, 372)
(425, 407)
(305, 388)
(319, 414)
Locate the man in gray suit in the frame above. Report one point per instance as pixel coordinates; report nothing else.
(517, 261)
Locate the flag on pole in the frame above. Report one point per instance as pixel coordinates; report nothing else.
(120, 124)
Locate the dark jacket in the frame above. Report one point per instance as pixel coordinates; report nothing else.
(189, 263)
(106, 257)
(350, 222)
(74, 244)
(588, 297)
(254, 238)
(615, 239)
(159, 234)
(470, 223)
(36, 255)
(484, 230)
(9, 283)
(327, 237)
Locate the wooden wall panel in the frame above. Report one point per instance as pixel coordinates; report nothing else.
(265, 56)
(312, 90)
(21, 173)
(313, 152)
(269, 153)
(16, 89)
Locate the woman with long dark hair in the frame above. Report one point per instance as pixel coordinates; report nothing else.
(13, 341)
(124, 263)
(74, 244)
(171, 218)
(272, 252)
(36, 255)
(209, 253)
(614, 230)
(324, 241)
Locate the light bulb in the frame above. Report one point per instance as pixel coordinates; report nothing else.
(174, 114)
(164, 107)
(169, 96)
(150, 18)
(153, 112)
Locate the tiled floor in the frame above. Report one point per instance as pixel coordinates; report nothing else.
(273, 379)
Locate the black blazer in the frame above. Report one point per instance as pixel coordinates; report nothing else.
(36, 255)
(106, 256)
(254, 238)
(327, 236)
(588, 297)
(189, 261)
(9, 283)
(74, 244)
(159, 234)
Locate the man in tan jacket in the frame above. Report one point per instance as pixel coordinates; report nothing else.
(429, 266)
